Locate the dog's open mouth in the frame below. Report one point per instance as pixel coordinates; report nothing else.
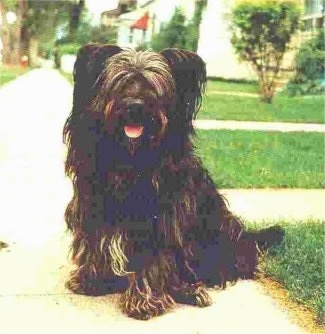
(133, 133)
(133, 130)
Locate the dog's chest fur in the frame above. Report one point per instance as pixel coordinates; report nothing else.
(135, 203)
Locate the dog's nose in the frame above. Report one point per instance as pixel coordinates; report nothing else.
(135, 108)
(135, 112)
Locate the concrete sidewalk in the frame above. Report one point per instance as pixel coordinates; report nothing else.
(258, 126)
(221, 92)
(277, 204)
(34, 267)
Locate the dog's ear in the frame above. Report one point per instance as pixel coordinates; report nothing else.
(88, 67)
(80, 129)
(189, 73)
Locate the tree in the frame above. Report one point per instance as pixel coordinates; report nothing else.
(262, 32)
(76, 10)
(41, 22)
(36, 21)
(85, 33)
(173, 35)
(192, 30)
(10, 32)
(179, 34)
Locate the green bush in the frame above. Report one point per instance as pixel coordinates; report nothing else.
(143, 47)
(69, 48)
(310, 67)
(84, 34)
(103, 35)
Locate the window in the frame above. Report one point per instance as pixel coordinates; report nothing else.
(131, 36)
(320, 23)
(314, 6)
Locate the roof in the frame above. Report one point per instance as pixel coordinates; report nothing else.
(147, 3)
(141, 23)
(112, 12)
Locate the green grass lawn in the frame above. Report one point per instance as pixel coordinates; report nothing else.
(309, 109)
(298, 264)
(220, 85)
(248, 159)
(8, 73)
(285, 109)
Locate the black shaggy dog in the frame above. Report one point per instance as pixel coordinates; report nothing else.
(145, 216)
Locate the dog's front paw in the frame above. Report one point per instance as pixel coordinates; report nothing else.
(143, 306)
(194, 294)
(202, 296)
(84, 286)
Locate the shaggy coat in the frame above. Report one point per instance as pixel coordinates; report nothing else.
(146, 217)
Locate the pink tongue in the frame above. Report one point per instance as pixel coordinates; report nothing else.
(133, 131)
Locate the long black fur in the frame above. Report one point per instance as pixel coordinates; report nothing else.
(150, 200)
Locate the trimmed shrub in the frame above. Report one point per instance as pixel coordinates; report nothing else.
(310, 68)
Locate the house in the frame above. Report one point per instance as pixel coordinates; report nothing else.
(137, 27)
(110, 18)
(214, 44)
(313, 17)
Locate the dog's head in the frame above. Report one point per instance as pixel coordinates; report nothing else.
(138, 97)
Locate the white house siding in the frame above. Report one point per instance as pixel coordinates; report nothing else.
(132, 38)
(127, 37)
(163, 10)
(214, 43)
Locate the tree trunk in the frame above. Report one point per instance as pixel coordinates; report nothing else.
(267, 93)
(266, 99)
(5, 35)
(33, 52)
(266, 90)
(11, 33)
(16, 34)
(75, 14)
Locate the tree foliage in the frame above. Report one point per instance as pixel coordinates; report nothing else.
(76, 11)
(262, 32)
(193, 28)
(10, 32)
(178, 33)
(86, 33)
(173, 34)
(43, 17)
(37, 22)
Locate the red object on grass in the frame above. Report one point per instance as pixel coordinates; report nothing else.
(24, 61)
(141, 23)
